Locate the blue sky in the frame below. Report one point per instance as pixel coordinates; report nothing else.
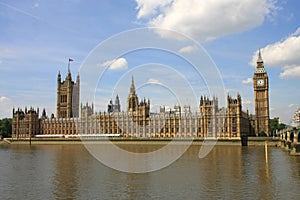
(38, 37)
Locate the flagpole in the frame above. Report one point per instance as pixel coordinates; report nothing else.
(69, 65)
(70, 60)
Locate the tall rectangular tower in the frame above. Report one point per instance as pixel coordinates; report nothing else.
(261, 98)
(67, 97)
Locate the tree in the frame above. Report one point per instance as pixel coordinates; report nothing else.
(5, 127)
(275, 125)
(262, 134)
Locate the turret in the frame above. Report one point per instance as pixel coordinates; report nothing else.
(239, 98)
(59, 77)
(44, 115)
(201, 100)
(77, 78)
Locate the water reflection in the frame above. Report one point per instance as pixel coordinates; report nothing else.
(70, 172)
(66, 177)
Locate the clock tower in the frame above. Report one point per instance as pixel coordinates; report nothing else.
(261, 97)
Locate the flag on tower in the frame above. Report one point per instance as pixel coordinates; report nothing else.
(70, 60)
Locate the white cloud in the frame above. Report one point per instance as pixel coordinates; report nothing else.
(7, 53)
(297, 32)
(147, 8)
(205, 20)
(229, 90)
(290, 72)
(153, 81)
(247, 102)
(247, 81)
(284, 54)
(188, 49)
(116, 64)
(106, 63)
(291, 105)
(3, 99)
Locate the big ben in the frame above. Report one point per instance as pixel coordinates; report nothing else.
(261, 97)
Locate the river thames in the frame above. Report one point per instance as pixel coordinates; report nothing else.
(70, 172)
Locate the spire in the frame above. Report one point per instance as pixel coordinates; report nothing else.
(132, 87)
(59, 76)
(259, 59)
(77, 78)
(117, 100)
(260, 64)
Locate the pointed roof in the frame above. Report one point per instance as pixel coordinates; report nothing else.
(259, 59)
(260, 64)
(77, 78)
(132, 87)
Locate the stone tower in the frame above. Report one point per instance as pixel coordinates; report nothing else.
(261, 97)
(117, 106)
(132, 101)
(114, 107)
(67, 96)
(140, 110)
(209, 109)
(234, 114)
(25, 124)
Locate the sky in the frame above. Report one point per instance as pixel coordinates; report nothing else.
(177, 50)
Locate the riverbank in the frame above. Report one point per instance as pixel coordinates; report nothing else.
(252, 141)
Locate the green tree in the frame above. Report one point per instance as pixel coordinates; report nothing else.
(262, 134)
(275, 125)
(5, 127)
(281, 126)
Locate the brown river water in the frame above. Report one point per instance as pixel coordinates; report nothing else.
(70, 172)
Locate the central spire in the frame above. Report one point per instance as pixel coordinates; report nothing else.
(132, 87)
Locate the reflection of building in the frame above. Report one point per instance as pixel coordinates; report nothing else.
(261, 97)
(137, 121)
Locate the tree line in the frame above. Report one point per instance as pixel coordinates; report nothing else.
(5, 127)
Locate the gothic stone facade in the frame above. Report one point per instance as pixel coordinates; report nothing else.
(138, 121)
(25, 123)
(209, 122)
(67, 104)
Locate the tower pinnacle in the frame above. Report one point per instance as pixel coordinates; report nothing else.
(132, 87)
(259, 59)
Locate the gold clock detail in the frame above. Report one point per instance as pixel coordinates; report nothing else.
(260, 82)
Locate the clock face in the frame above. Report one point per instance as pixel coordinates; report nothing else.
(260, 82)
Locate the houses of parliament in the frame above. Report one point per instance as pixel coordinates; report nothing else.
(73, 119)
